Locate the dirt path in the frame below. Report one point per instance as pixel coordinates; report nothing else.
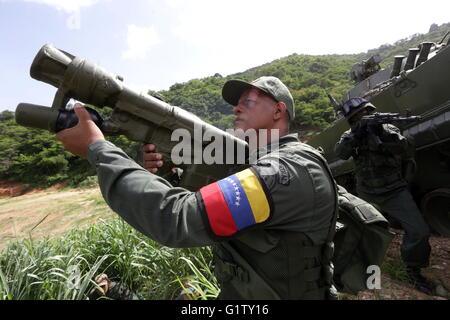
(49, 213)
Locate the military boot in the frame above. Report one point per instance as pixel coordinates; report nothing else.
(419, 281)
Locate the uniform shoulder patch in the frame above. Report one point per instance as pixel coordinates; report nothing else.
(284, 174)
(273, 171)
(235, 203)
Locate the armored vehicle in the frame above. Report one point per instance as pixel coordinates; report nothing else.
(417, 84)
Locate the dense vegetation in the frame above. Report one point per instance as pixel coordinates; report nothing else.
(64, 269)
(34, 156)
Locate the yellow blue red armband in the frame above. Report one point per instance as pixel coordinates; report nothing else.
(235, 203)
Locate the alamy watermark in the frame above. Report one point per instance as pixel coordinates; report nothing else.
(374, 280)
(73, 22)
(74, 278)
(232, 146)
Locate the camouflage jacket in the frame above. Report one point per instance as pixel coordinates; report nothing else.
(378, 168)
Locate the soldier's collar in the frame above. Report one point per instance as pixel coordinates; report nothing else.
(293, 137)
(274, 145)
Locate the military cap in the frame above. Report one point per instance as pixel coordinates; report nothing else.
(233, 89)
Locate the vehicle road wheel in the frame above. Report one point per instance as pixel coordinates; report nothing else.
(436, 209)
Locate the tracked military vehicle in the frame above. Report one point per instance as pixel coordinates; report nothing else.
(417, 84)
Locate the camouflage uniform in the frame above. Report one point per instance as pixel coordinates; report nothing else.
(276, 248)
(379, 180)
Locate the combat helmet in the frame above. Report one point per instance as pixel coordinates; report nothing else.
(354, 105)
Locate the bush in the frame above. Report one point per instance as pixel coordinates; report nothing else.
(89, 182)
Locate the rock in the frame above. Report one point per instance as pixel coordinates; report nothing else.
(433, 27)
(441, 291)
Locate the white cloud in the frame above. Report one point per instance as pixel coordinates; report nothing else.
(140, 40)
(70, 7)
(239, 34)
(174, 4)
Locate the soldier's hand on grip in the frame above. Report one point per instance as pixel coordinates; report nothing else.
(152, 159)
(78, 138)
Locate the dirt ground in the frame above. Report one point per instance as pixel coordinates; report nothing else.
(53, 212)
(393, 284)
(49, 213)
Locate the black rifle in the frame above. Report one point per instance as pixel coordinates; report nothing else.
(370, 123)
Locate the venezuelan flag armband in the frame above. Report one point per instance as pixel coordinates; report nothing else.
(236, 203)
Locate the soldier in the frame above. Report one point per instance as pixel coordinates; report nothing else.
(272, 233)
(380, 179)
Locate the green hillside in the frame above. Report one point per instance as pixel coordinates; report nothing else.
(33, 156)
(310, 78)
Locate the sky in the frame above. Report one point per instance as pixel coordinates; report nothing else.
(154, 44)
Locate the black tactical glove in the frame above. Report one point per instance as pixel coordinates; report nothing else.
(375, 128)
(374, 132)
(359, 130)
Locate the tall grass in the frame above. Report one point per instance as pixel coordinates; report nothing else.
(65, 268)
(395, 268)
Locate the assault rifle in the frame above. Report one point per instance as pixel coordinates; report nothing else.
(138, 116)
(371, 122)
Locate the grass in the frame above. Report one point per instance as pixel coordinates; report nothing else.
(96, 200)
(64, 268)
(203, 283)
(11, 201)
(395, 269)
